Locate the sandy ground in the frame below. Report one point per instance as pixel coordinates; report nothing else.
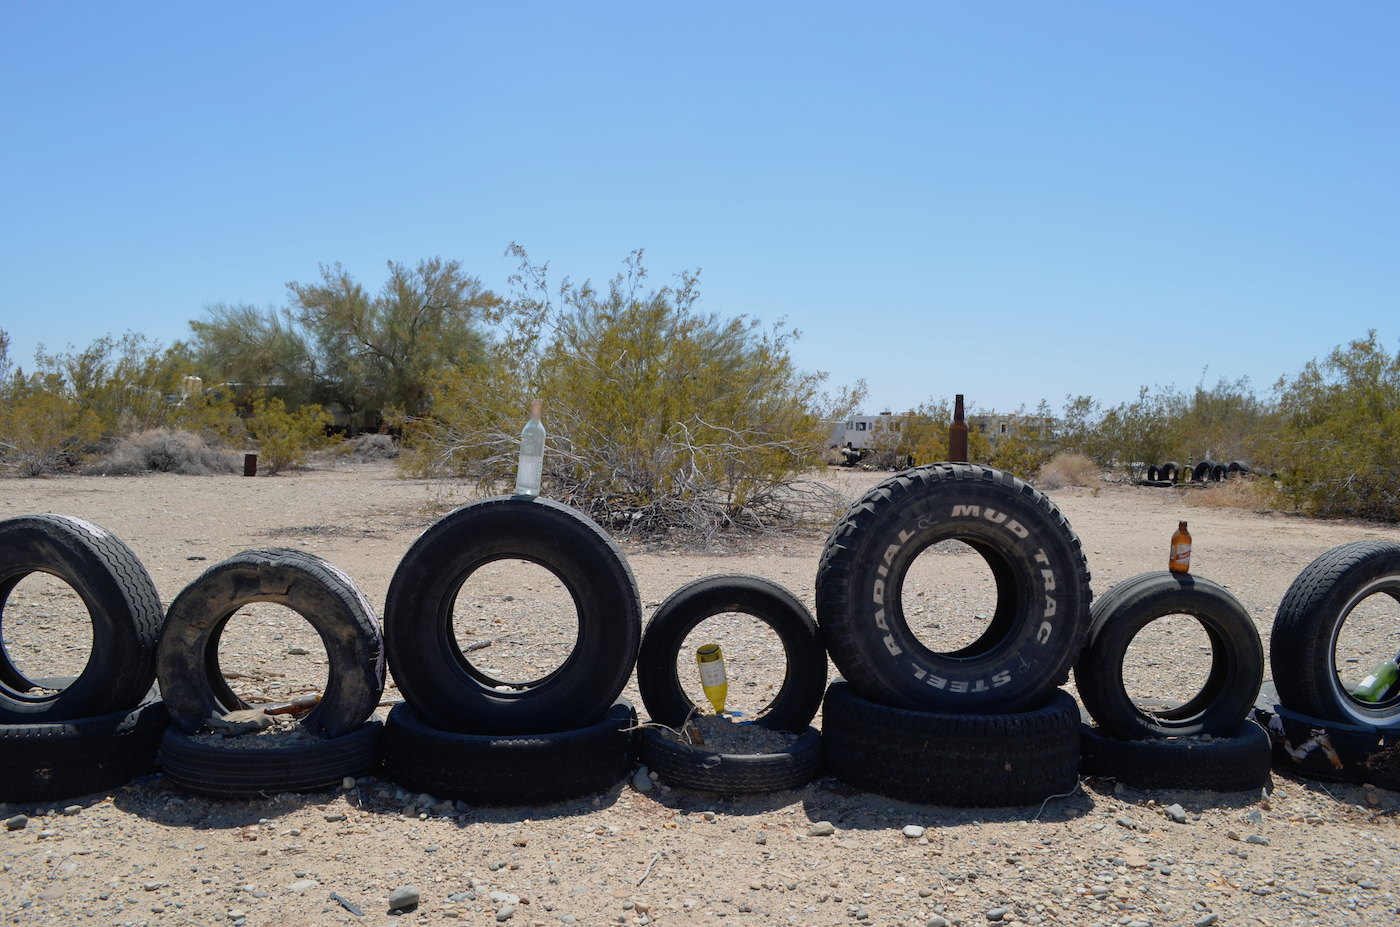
(152, 854)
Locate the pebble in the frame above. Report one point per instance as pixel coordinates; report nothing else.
(937, 920)
(997, 914)
(761, 839)
(642, 781)
(335, 816)
(18, 822)
(405, 896)
(821, 829)
(1255, 816)
(304, 885)
(73, 809)
(913, 831)
(1206, 921)
(505, 913)
(1125, 821)
(1257, 839)
(1176, 813)
(1232, 835)
(347, 783)
(461, 896)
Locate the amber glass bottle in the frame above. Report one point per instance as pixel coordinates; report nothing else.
(1180, 559)
(957, 434)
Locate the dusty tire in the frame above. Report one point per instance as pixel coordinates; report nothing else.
(796, 703)
(1152, 474)
(1230, 765)
(1203, 471)
(191, 682)
(429, 667)
(1303, 644)
(518, 769)
(1042, 583)
(244, 772)
(961, 760)
(1218, 473)
(1237, 657)
(1169, 471)
(733, 773)
(65, 759)
(121, 601)
(1314, 747)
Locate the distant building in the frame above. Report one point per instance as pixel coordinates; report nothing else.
(858, 431)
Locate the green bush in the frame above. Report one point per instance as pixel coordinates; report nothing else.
(287, 439)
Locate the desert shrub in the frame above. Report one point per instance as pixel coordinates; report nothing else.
(658, 416)
(287, 439)
(372, 447)
(1068, 468)
(163, 451)
(42, 427)
(1241, 492)
(1337, 446)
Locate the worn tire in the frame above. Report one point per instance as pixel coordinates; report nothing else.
(1168, 471)
(429, 667)
(190, 679)
(952, 759)
(1237, 467)
(121, 601)
(796, 703)
(1230, 765)
(47, 761)
(243, 772)
(1303, 644)
(733, 773)
(1237, 657)
(1203, 470)
(1152, 474)
(516, 769)
(1042, 582)
(1317, 748)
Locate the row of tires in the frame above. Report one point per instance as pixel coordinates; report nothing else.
(1206, 470)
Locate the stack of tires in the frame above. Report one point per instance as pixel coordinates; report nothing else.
(986, 725)
(1205, 743)
(344, 740)
(790, 712)
(63, 738)
(463, 734)
(1318, 727)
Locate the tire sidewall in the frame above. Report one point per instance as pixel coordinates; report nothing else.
(1047, 612)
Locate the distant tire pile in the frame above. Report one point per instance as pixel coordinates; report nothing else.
(462, 734)
(983, 725)
(66, 737)
(1171, 473)
(1205, 743)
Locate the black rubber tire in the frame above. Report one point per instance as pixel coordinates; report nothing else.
(1238, 466)
(1203, 470)
(1168, 471)
(1042, 579)
(1237, 657)
(983, 761)
(796, 703)
(1152, 474)
(733, 773)
(429, 667)
(1228, 765)
(1218, 473)
(1302, 647)
(122, 603)
(67, 759)
(190, 679)
(243, 772)
(1314, 747)
(520, 769)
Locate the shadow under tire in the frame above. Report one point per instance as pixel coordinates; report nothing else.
(1237, 657)
(121, 600)
(190, 679)
(1303, 643)
(965, 761)
(733, 773)
(434, 675)
(1231, 765)
(517, 769)
(1042, 583)
(796, 703)
(226, 771)
(45, 761)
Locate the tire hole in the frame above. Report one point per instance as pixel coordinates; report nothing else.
(754, 662)
(949, 596)
(46, 631)
(270, 653)
(515, 622)
(1167, 663)
(1369, 634)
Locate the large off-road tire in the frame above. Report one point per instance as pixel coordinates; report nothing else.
(228, 771)
(1303, 645)
(796, 703)
(983, 761)
(733, 773)
(1042, 581)
(1227, 765)
(429, 666)
(191, 681)
(121, 601)
(1237, 657)
(516, 769)
(47, 761)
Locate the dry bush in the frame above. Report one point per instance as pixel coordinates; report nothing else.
(1241, 492)
(372, 447)
(1068, 469)
(163, 451)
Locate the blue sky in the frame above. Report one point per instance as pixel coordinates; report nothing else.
(1013, 201)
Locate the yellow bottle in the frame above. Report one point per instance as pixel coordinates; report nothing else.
(712, 678)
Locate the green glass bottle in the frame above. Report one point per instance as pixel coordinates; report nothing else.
(1381, 682)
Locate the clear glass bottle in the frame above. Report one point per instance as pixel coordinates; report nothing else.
(1180, 559)
(712, 677)
(531, 469)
